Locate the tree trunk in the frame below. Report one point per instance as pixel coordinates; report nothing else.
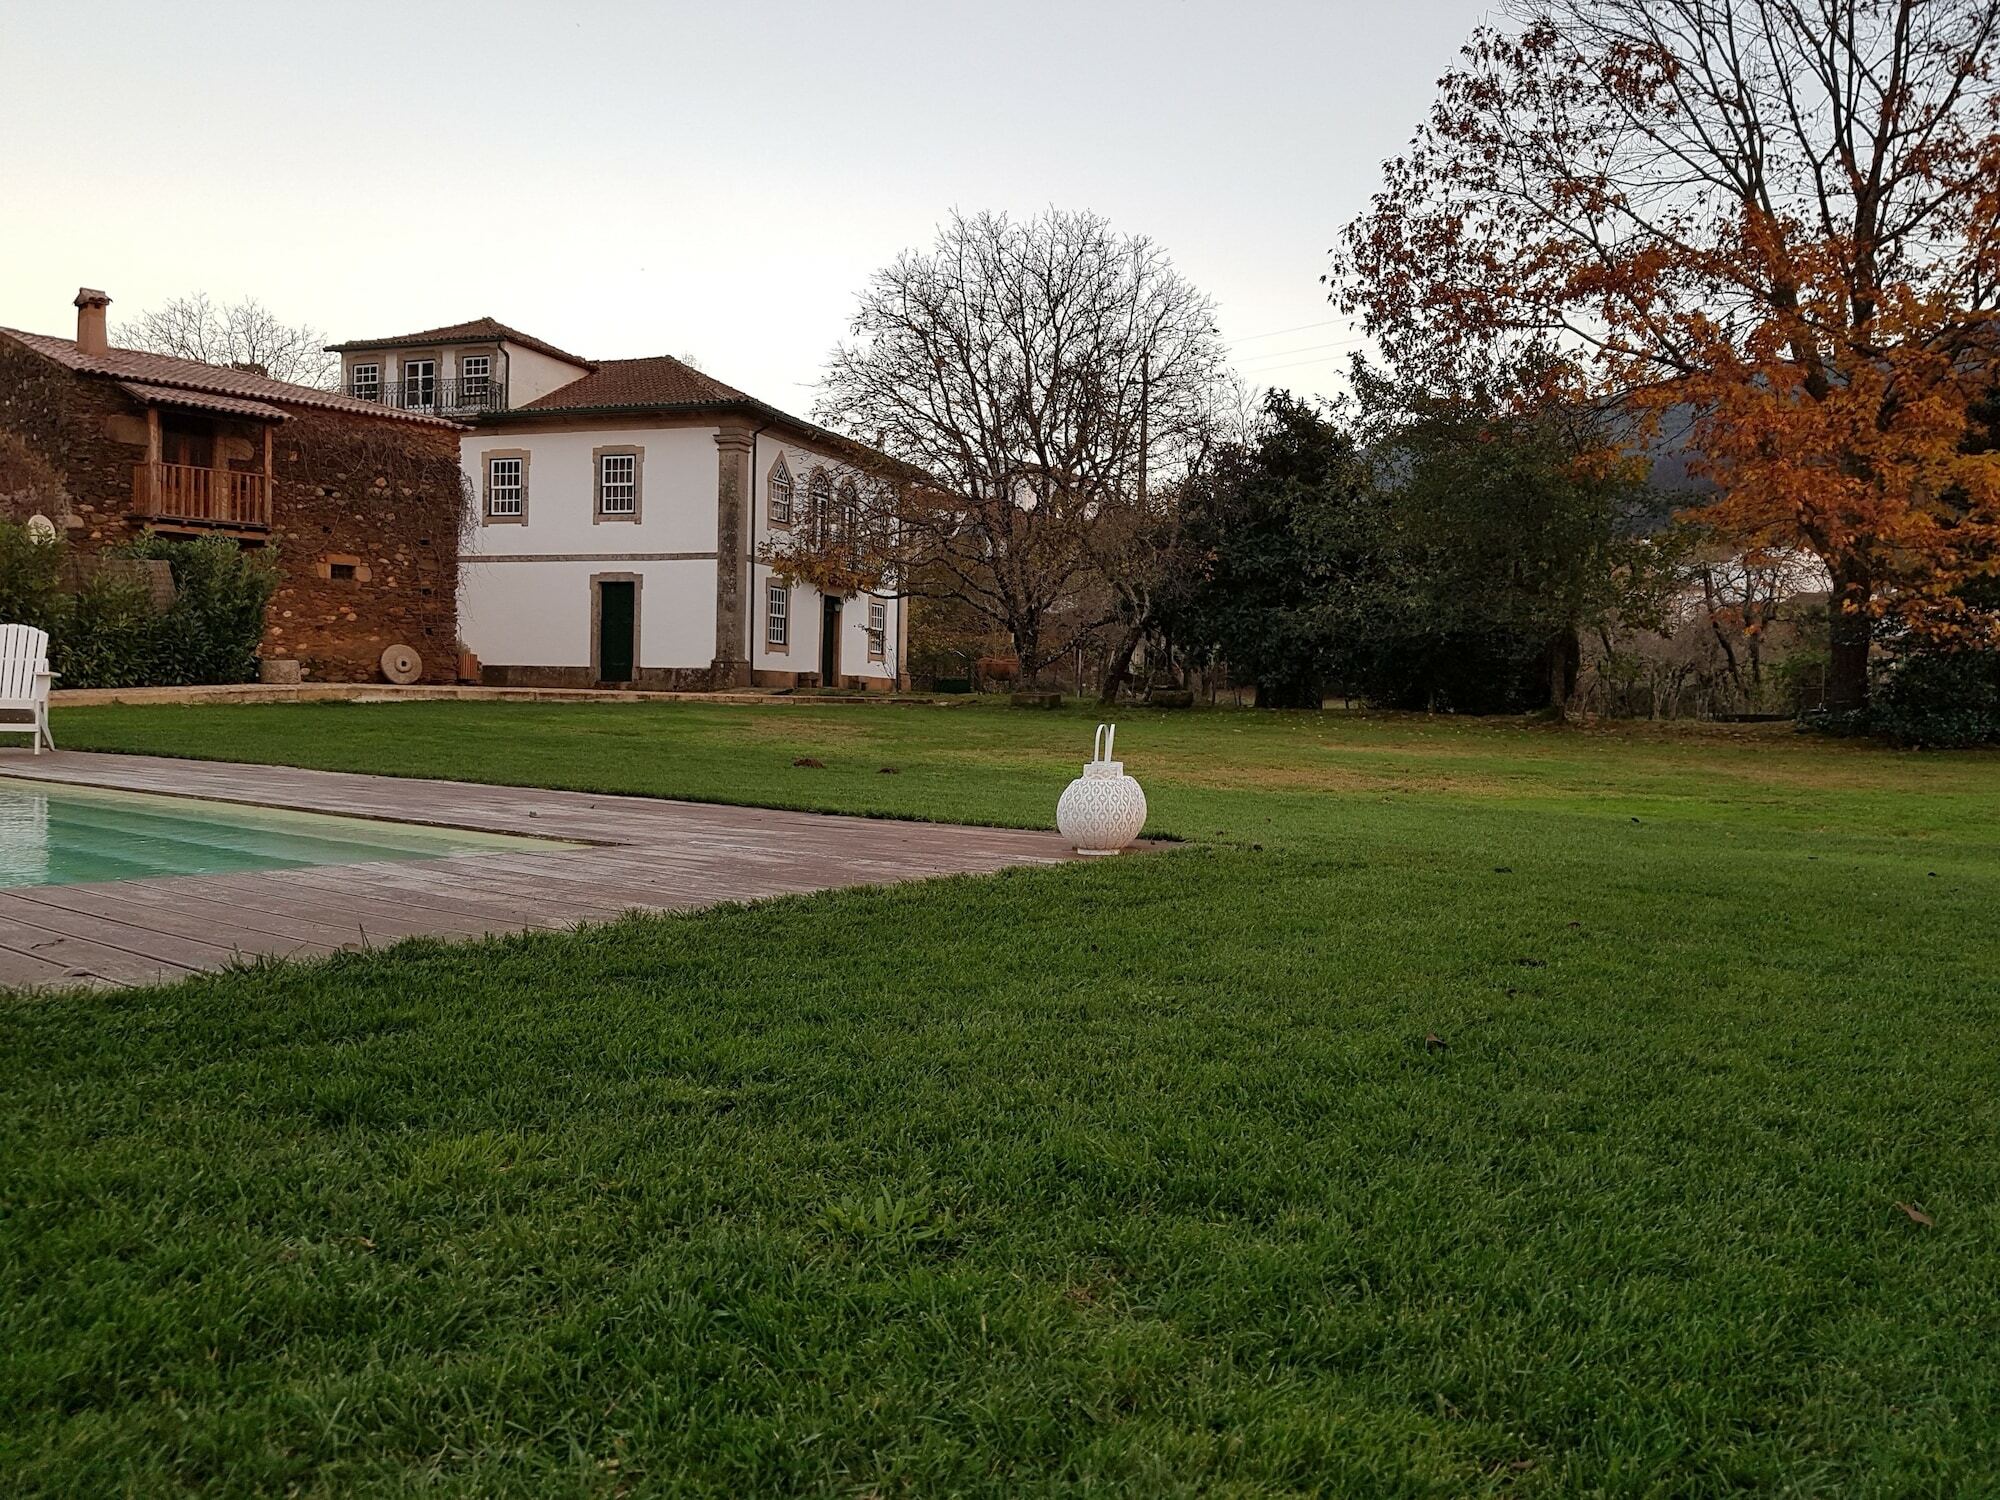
(1120, 665)
(1027, 652)
(1849, 632)
(1564, 655)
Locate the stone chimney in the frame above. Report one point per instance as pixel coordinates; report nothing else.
(91, 337)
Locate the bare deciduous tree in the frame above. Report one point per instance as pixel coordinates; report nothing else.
(245, 333)
(1042, 375)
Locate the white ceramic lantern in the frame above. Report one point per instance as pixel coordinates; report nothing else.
(1103, 809)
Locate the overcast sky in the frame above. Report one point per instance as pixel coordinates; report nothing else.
(701, 179)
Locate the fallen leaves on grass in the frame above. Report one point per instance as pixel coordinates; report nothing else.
(808, 763)
(1917, 1215)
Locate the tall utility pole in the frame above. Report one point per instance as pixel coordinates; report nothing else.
(1145, 394)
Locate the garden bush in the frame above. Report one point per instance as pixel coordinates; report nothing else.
(104, 630)
(1937, 699)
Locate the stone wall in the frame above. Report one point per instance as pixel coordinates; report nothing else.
(365, 514)
(366, 520)
(86, 430)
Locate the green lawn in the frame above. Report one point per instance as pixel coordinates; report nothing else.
(1468, 1109)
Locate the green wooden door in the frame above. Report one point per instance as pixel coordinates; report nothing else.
(829, 644)
(617, 615)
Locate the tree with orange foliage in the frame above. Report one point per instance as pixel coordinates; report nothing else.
(1779, 219)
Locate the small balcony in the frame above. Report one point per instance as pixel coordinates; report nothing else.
(445, 398)
(202, 497)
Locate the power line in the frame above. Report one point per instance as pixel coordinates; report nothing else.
(1310, 348)
(1251, 338)
(1280, 369)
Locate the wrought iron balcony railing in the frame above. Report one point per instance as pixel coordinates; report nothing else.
(445, 397)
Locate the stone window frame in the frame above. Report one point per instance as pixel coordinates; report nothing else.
(781, 472)
(819, 506)
(598, 514)
(638, 582)
(486, 516)
(359, 571)
(374, 381)
(775, 592)
(878, 635)
(847, 511)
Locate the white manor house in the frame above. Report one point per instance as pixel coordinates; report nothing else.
(622, 509)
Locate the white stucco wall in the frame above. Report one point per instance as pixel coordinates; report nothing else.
(525, 591)
(538, 614)
(531, 374)
(803, 654)
(528, 374)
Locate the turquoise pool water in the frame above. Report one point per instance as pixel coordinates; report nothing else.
(69, 835)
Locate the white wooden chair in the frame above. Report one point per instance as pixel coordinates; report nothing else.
(24, 683)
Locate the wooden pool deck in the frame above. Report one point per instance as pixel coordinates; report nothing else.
(642, 854)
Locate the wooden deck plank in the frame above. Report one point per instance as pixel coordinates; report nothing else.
(208, 922)
(151, 943)
(82, 957)
(624, 854)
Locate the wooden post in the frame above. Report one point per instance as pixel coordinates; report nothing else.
(146, 490)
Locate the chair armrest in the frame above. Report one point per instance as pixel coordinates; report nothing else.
(46, 673)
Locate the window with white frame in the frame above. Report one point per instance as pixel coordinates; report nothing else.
(779, 489)
(366, 382)
(506, 487)
(475, 376)
(878, 628)
(420, 382)
(777, 614)
(617, 483)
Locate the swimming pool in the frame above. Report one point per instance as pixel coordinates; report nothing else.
(54, 834)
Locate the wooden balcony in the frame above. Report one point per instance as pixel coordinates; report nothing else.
(202, 497)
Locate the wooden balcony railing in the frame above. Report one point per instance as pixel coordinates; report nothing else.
(214, 497)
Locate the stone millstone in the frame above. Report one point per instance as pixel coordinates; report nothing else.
(402, 665)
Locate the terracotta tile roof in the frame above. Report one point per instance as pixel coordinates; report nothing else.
(163, 370)
(235, 406)
(660, 380)
(458, 333)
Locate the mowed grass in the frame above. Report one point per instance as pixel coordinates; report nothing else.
(1466, 1109)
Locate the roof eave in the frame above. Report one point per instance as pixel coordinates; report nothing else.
(772, 415)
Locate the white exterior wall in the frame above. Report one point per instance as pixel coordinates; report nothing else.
(531, 374)
(528, 374)
(525, 587)
(521, 614)
(803, 653)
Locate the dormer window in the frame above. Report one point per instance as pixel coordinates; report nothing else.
(365, 381)
(475, 378)
(420, 382)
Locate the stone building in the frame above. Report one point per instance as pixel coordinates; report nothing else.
(363, 502)
(625, 516)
